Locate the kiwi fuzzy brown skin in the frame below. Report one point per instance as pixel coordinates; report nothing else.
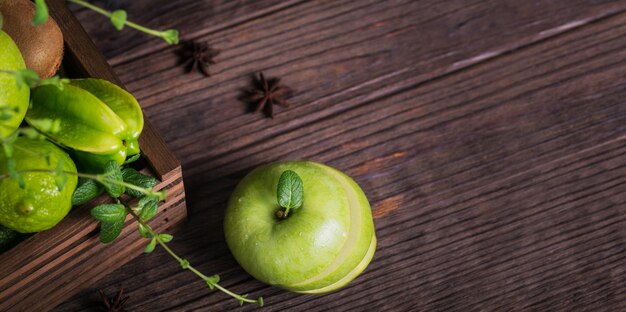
(41, 46)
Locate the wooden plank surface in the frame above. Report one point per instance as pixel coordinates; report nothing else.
(488, 135)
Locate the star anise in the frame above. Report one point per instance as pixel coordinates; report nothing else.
(198, 56)
(116, 304)
(267, 93)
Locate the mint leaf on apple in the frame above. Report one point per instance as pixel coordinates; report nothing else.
(290, 191)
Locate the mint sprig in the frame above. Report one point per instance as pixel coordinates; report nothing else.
(119, 20)
(290, 192)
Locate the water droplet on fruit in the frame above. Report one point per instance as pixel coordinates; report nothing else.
(239, 200)
(299, 233)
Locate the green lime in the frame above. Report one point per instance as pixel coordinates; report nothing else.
(40, 205)
(13, 100)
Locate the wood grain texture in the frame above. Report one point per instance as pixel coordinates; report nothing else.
(51, 266)
(488, 136)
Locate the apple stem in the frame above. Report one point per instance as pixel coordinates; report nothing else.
(282, 213)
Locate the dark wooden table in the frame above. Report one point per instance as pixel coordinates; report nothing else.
(489, 136)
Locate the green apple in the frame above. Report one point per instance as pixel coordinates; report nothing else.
(319, 247)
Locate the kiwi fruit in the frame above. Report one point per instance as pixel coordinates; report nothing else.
(42, 45)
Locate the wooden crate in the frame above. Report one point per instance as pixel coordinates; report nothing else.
(51, 266)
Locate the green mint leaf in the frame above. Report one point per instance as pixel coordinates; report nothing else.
(260, 302)
(132, 159)
(184, 264)
(14, 174)
(212, 281)
(144, 231)
(244, 296)
(86, 190)
(109, 231)
(170, 36)
(112, 177)
(166, 238)
(60, 178)
(134, 177)
(290, 190)
(118, 19)
(149, 206)
(109, 213)
(41, 12)
(26, 77)
(151, 246)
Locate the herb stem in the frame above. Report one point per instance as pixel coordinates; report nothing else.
(163, 244)
(106, 13)
(96, 177)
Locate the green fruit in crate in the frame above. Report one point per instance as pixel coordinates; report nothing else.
(97, 120)
(40, 205)
(13, 99)
(317, 248)
(41, 45)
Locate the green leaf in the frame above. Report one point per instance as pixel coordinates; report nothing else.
(260, 302)
(166, 238)
(134, 177)
(86, 190)
(212, 281)
(109, 213)
(109, 231)
(60, 178)
(244, 296)
(151, 246)
(184, 264)
(41, 12)
(144, 232)
(112, 177)
(290, 190)
(132, 159)
(14, 174)
(170, 36)
(26, 77)
(118, 19)
(149, 206)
